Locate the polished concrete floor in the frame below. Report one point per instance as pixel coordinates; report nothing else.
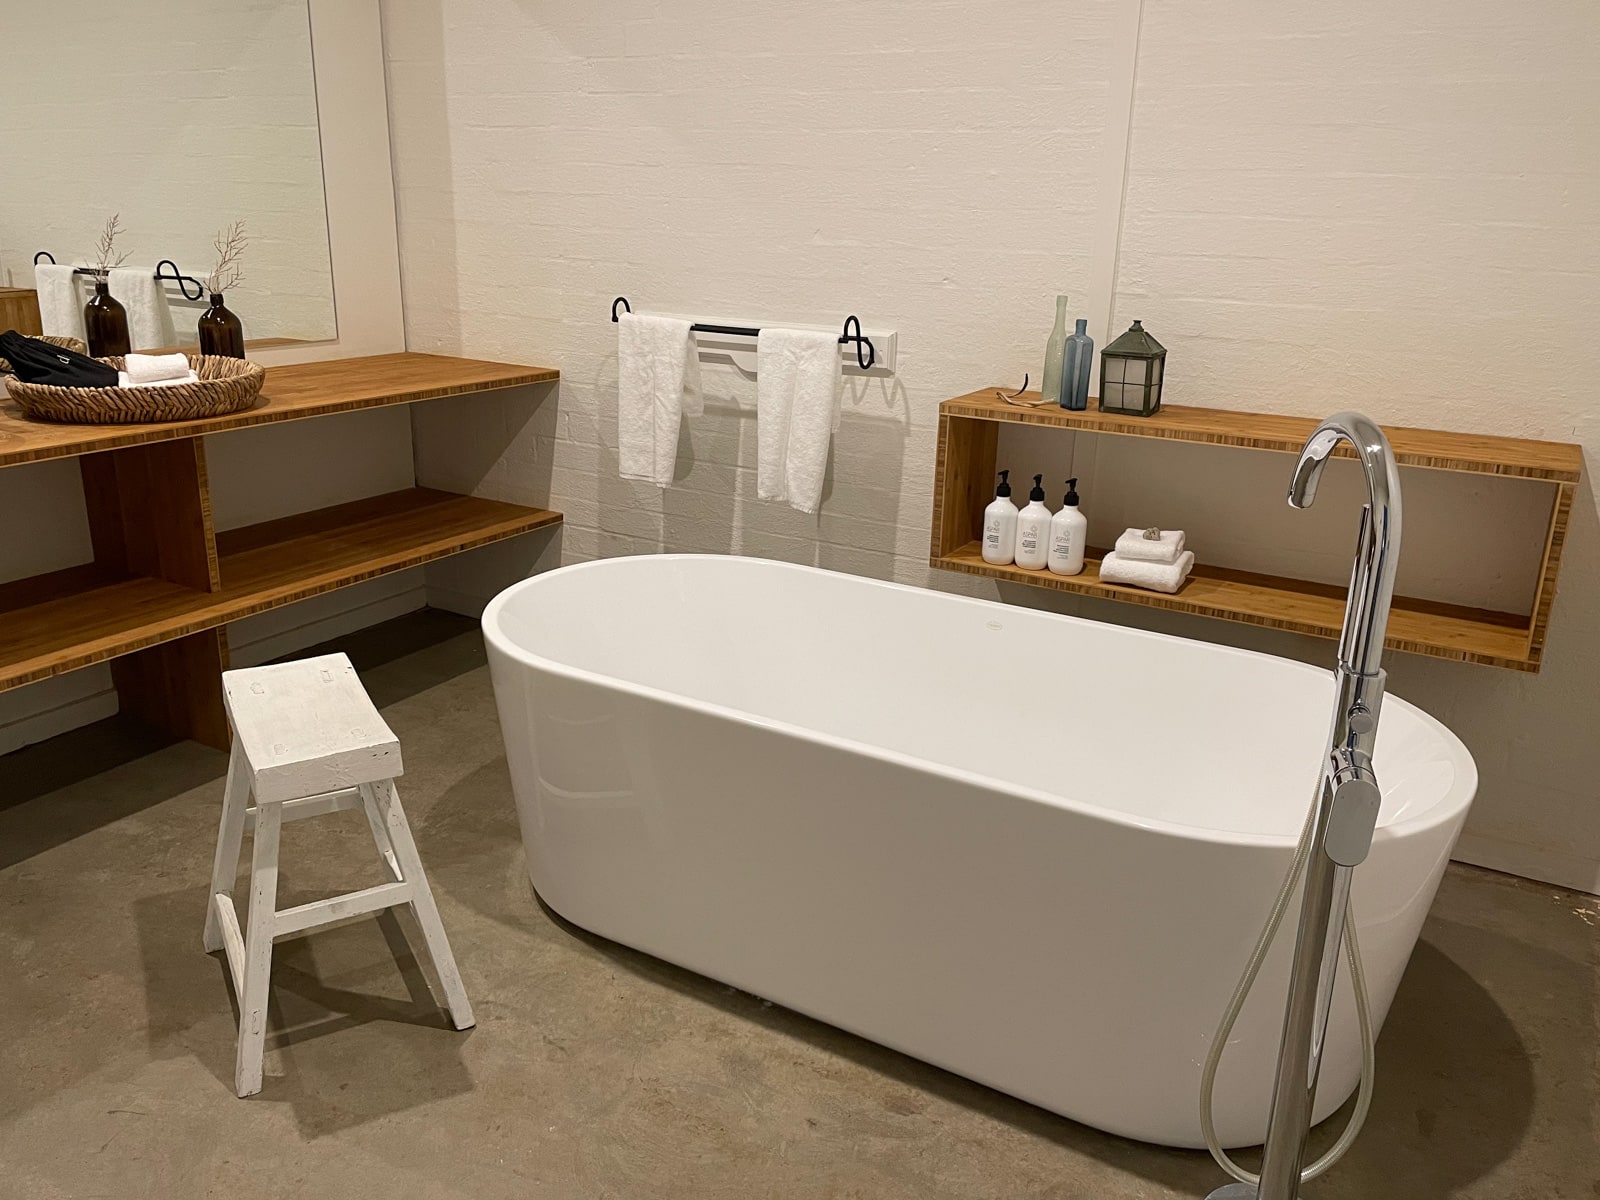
(595, 1072)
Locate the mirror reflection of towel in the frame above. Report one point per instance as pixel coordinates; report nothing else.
(150, 324)
(60, 300)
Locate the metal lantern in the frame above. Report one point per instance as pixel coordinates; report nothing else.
(1131, 369)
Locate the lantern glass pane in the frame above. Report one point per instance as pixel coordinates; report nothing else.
(1114, 369)
(1156, 377)
(1137, 368)
(1113, 396)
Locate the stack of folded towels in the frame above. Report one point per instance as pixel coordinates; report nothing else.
(155, 370)
(1149, 558)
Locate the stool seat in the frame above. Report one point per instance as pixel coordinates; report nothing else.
(308, 727)
(308, 741)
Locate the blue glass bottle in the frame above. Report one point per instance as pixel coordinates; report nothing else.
(1075, 359)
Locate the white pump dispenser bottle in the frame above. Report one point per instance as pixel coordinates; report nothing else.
(1000, 525)
(1033, 529)
(1069, 529)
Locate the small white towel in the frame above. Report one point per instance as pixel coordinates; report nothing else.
(1157, 577)
(60, 300)
(125, 380)
(658, 384)
(1132, 546)
(152, 368)
(797, 411)
(149, 316)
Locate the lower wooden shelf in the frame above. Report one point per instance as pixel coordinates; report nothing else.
(50, 624)
(1420, 626)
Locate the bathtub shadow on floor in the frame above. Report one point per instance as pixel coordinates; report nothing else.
(1455, 1093)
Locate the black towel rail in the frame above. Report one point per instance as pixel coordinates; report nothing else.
(866, 353)
(178, 277)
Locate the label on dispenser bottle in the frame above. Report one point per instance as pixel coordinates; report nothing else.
(1030, 538)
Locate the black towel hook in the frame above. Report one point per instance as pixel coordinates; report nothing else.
(626, 307)
(863, 361)
(44, 254)
(183, 281)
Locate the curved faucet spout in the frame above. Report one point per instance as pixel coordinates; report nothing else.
(1366, 614)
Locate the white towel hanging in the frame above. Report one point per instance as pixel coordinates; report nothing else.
(798, 382)
(658, 384)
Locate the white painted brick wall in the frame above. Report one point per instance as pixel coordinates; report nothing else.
(1397, 208)
(1381, 206)
(929, 167)
(182, 117)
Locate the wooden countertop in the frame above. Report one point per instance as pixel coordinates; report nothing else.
(292, 392)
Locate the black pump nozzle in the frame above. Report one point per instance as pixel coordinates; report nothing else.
(1005, 484)
(1071, 498)
(1038, 488)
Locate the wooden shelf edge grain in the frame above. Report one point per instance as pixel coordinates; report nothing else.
(51, 624)
(294, 392)
(1480, 454)
(1297, 606)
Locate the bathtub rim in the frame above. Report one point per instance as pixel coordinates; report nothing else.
(1450, 806)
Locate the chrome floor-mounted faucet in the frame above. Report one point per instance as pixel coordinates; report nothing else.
(1347, 801)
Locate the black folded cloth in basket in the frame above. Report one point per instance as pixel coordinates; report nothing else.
(40, 362)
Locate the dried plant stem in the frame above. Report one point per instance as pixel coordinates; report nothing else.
(105, 248)
(230, 246)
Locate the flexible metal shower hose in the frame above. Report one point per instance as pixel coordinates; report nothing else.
(1219, 1043)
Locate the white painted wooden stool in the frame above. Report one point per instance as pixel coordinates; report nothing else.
(308, 741)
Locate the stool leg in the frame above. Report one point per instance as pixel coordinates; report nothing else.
(380, 835)
(258, 949)
(422, 905)
(235, 800)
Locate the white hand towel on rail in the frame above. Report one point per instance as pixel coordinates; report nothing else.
(60, 301)
(797, 411)
(1157, 577)
(1133, 546)
(658, 384)
(149, 316)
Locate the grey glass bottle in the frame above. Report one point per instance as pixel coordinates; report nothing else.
(1050, 385)
(1075, 360)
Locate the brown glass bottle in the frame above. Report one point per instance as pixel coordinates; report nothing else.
(220, 331)
(105, 322)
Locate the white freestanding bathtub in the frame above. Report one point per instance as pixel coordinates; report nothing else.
(1031, 849)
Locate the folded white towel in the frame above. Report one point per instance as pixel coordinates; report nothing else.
(1157, 577)
(149, 316)
(658, 384)
(60, 300)
(797, 411)
(152, 368)
(126, 380)
(1132, 546)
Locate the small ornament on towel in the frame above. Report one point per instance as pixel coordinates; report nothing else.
(1152, 534)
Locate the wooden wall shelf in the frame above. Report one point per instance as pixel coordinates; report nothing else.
(315, 389)
(966, 467)
(164, 582)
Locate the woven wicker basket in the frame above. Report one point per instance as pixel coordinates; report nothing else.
(67, 343)
(226, 385)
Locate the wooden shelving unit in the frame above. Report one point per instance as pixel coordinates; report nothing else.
(164, 582)
(965, 470)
